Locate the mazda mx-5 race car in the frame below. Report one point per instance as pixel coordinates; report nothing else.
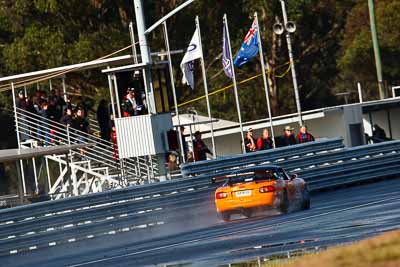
(259, 188)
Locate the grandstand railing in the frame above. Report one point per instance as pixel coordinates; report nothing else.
(103, 154)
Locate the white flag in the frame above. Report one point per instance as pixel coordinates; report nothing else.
(193, 52)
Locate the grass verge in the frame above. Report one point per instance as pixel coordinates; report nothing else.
(380, 251)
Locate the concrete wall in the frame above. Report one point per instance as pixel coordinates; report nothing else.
(330, 126)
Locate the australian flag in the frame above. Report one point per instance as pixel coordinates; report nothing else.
(249, 47)
(226, 55)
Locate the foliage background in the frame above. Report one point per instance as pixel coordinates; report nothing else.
(332, 45)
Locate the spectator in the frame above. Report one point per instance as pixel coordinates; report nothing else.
(37, 101)
(190, 156)
(52, 96)
(31, 111)
(20, 102)
(265, 142)
(184, 144)
(200, 149)
(304, 136)
(21, 105)
(67, 119)
(30, 106)
(249, 141)
(42, 96)
(103, 117)
(81, 104)
(172, 163)
(60, 103)
(68, 104)
(52, 110)
(379, 135)
(287, 139)
(44, 129)
(129, 105)
(80, 123)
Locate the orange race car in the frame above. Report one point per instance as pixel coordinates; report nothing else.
(259, 188)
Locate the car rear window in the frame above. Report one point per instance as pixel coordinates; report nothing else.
(254, 176)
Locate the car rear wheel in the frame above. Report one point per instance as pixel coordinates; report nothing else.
(284, 203)
(247, 212)
(225, 216)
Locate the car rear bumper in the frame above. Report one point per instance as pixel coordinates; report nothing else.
(267, 201)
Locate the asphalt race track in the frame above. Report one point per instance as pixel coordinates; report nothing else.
(185, 229)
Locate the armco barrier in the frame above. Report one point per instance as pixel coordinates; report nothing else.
(349, 165)
(362, 176)
(322, 168)
(219, 165)
(135, 208)
(341, 155)
(21, 212)
(343, 173)
(317, 164)
(99, 220)
(14, 214)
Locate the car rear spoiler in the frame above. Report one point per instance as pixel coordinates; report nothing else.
(219, 179)
(225, 177)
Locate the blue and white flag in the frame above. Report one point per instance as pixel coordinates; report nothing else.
(193, 52)
(249, 47)
(226, 55)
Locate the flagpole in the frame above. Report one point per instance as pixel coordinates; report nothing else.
(203, 69)
(171, 74)
(225, 22)
(264, 78)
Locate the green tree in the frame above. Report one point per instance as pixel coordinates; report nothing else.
(356, 58)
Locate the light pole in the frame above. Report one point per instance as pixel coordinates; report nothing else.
(289, 27)
(145, 56)
(377, 53)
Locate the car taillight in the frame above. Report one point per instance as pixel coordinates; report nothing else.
(267, 189)
(220, 195)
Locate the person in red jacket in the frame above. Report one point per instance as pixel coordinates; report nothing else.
(265, 142)
(304, 136)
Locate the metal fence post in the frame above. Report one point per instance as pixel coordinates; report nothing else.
(48, 173)
(35, 175)
(64, 89)
(18, 137)
(360, 97)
